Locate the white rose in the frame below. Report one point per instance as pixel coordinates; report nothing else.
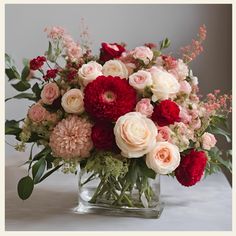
(135, 134)
(140, 80)
(143, 53)
(163, 158)
(164, 86)
(72, 101)
(115, 68)
(89, 72)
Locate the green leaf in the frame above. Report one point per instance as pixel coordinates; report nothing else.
(12, 74)
(21, 86)
(25, 73)
(165, 43)
(145, 171)
(12, 127)
(38, 169)
(217, 130)
(25, 187)
(25, 62)
(29, 96)
(49, 173)
(36, 89)
(219, 120)
(8, 58)
(43, 153)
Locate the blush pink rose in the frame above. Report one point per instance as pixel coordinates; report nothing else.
(185, 87)
(37, 113)
(49, 93)
(164, 134)
(145, 107)
(208, 141)
(143, 53)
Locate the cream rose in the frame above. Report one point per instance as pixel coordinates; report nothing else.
(143, 53)
(89, 72)
(115, 68)
(163, 158)
(135, 134)
(140, 80)
(49, 93)
(72, 101)
(164, 86)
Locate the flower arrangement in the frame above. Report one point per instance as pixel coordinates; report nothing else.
(123, 116)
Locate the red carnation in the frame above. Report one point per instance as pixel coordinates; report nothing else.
(166, 113)
(110, 51)
(37, 63)
(191, 168)
(103, 136)
(108, 98)
(52, 73)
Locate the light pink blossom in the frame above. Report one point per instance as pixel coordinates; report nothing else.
(208, 141)
(37, 113)
(164, 134)
(145, 107)
(50, 93)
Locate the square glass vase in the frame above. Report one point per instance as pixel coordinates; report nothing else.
(109, 197)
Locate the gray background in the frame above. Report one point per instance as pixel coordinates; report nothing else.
(134, 24)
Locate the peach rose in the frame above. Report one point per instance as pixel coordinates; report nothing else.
(208, 141)
(37, 113)
(163, 158)
(143, 53)
(50, 93)
(135, 134)
(72, 101)
(89, 72)
(140, 80)
(145, 107)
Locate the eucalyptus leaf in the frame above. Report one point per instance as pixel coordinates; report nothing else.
(49, 173)
(25, 187)
(25, 72)
(12, 127)
(21, 86)
(28, 96)
(12, 74)
(217, 130)
(38, 170)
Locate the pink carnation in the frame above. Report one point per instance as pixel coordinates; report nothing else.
(208, 141)
(37, 113)
(71, 138)
(50, 93)
(145, 107)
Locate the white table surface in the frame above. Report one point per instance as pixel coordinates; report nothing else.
(205, 206)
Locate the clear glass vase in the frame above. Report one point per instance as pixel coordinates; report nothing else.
(109, 198)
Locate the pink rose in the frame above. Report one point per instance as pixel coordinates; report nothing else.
(49, 93)
(140, 80)
(164, 134)
(208, 141)
(145, 107)
(37, 113)
(185, 87)
(143, 53)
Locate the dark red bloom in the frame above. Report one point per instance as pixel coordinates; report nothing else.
(166, 113)
(150, 45)
(37, 63)
(71, 75)
(103, 136)
(108, 98)
(110, 51)
(51, 74)
(191, 168)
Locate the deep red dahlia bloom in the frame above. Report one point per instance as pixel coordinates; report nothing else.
(191, 168)
(37, 63)
(108, 98)
(103, 136)
(166, 113)
(110, 51)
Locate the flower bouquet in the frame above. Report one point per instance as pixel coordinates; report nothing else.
(119, 120)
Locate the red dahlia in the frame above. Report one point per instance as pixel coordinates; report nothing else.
(166, 113)
(191, 168)
(110, 51)
(108, 98)
(103, 136)
(37, 63)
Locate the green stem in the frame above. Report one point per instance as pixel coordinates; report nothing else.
(94, 198)
(88, 179)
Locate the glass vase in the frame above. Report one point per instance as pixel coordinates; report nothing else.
(109, 197)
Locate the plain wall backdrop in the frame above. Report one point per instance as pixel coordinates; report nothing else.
(133, 24)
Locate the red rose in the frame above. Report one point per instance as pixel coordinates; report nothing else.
(110, 51)
(107, 98)
(166, 113)
(103, 136)
(37, 63)
(52, 73)
(191, 168)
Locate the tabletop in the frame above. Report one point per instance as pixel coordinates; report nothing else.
(205, 206)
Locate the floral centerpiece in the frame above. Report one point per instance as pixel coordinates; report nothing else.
(121, 119)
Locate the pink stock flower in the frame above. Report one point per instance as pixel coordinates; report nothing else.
(145, 107)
